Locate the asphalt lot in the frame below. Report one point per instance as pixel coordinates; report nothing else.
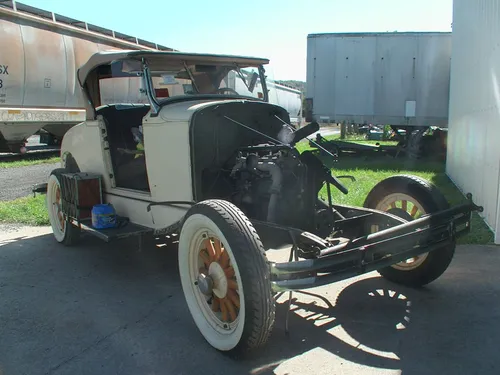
(17, 182)
(108, 309)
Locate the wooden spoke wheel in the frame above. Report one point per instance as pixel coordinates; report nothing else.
(217, 280)
(225, 277)
(408, 208)
(411, 197)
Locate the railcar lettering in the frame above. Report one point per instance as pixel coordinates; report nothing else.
(3, 69)
(1, 84)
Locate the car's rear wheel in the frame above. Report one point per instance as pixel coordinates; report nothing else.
(411, 197)
(225, 277)
(64, 231)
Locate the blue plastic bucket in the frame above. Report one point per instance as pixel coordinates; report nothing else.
(103, 216)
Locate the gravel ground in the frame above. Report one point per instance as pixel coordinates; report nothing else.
(18, 182)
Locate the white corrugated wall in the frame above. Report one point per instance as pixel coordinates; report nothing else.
(473, 161)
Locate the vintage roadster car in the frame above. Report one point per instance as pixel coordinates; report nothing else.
(198, 151)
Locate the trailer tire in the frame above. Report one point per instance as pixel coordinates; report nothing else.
(64, 232)
(425, 198)
(415, 146)
(233, 307)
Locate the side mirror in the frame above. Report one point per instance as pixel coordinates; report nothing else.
(253, 82)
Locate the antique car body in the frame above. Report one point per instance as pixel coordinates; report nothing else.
(168, 151)
(222, 171)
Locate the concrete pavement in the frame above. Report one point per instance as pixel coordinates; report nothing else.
(108, 309)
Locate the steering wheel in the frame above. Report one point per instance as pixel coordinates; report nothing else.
(222, 89)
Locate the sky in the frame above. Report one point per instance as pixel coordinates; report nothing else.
(274, 29)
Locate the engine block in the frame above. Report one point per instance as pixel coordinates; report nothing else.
(271, 184)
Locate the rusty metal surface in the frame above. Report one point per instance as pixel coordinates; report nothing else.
(45, 68)
(41, 18)
(40, 69)
(40, 54)
(11, 64)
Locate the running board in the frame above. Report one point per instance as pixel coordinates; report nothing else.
(109, 234)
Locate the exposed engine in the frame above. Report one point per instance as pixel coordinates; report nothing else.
(277, 184)
(270, 186)
(269, 180)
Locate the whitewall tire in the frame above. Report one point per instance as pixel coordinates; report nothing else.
(225, 277)
(64, 232)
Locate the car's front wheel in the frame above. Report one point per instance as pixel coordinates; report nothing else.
(225, 277)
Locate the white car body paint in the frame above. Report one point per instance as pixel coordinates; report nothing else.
(168, 160)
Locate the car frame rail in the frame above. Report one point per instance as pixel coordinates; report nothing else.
(372, 251)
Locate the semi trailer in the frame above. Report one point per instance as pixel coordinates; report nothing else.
(400, 79)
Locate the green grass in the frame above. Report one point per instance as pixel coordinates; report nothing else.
(369, 172)
(26, 210)
(26, 162)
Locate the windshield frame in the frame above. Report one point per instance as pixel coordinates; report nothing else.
(156, 104)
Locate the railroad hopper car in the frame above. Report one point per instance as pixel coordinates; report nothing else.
(40, 54)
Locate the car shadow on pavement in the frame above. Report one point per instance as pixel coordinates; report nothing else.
(99, 308)
(363, 325)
